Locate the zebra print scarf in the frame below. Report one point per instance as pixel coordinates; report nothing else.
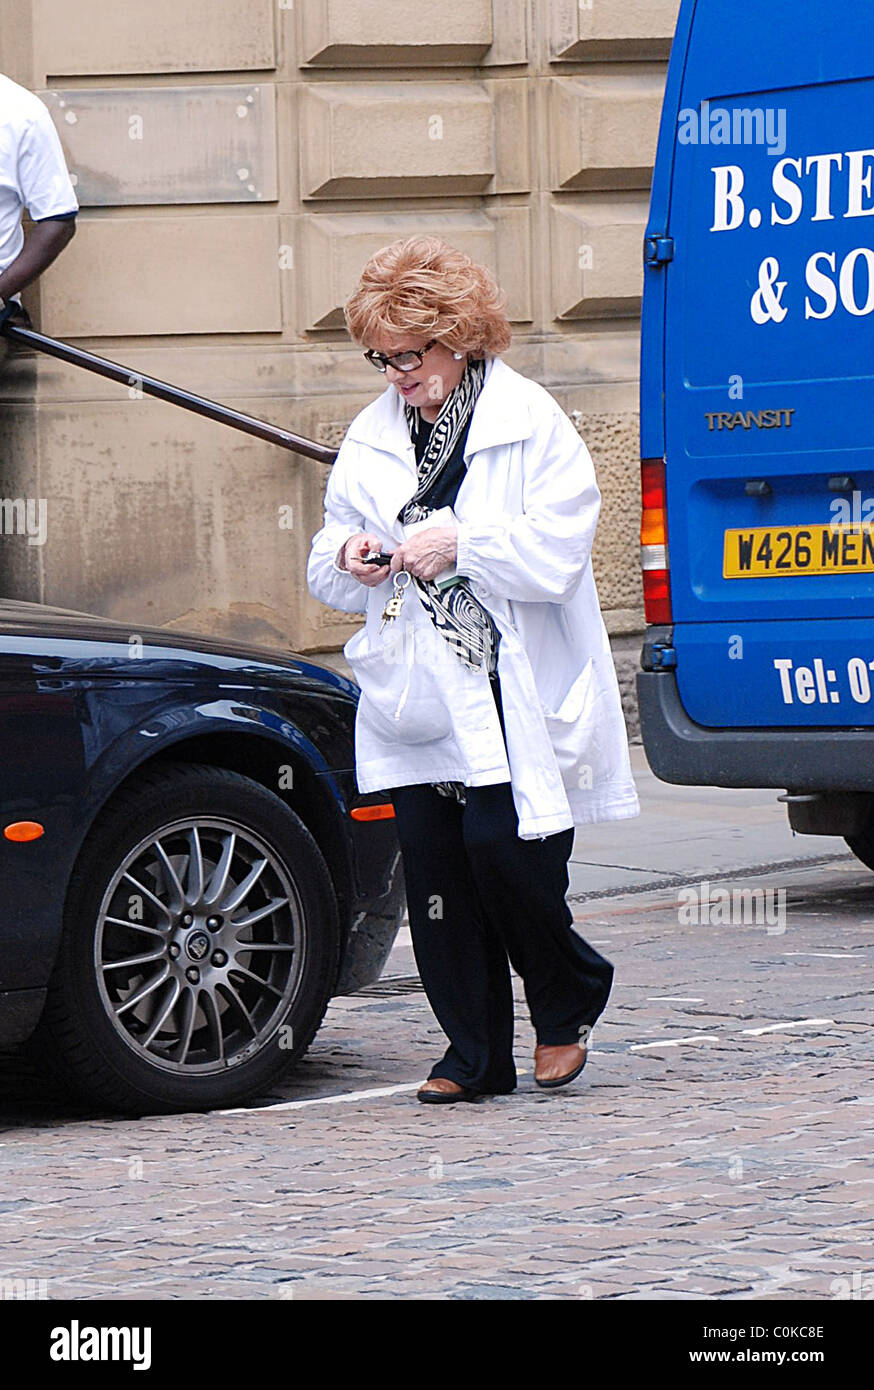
(457, 615)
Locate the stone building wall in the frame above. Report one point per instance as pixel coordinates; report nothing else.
(236, 164)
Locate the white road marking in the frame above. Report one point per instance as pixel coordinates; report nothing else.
(795, 1023)
(378, 1091)
(671, 999)
(674, 1042)
(825, 955)
(374, 1093)
(327, 1100)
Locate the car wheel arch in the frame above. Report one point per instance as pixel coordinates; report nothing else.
(259, 756)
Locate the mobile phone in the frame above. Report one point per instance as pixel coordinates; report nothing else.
(377, 557)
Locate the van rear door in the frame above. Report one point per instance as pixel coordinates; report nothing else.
(769, 365)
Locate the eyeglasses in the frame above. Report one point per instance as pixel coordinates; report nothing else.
(403, 361)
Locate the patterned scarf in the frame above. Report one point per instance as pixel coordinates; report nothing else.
(457, 615)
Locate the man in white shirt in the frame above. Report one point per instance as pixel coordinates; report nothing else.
(33, 177)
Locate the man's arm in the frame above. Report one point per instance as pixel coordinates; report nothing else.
(46, 191)
(44, 244)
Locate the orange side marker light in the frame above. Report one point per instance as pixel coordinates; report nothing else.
(384, 811)
(22, 830)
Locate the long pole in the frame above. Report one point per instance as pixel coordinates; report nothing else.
(163, 391)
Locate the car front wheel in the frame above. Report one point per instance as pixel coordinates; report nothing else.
(200, 946)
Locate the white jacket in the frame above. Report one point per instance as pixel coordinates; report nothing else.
(526, 514)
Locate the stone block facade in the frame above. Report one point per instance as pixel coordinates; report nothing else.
(236, 166)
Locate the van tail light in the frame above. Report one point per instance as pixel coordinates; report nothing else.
(654, 560)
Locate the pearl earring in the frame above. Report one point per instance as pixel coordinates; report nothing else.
(458, 356)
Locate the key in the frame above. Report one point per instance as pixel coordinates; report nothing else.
(392, 610)
(394, 605)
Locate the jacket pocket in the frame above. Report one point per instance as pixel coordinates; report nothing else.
(569, 725)
(401, 697)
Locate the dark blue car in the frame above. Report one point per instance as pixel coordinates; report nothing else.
(187, 872)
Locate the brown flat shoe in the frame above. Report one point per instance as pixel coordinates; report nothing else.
(556, 1066)
(441, 1091)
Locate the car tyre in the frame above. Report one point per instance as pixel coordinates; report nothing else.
(200, 946)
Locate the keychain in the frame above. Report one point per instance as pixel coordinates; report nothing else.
(393, 607)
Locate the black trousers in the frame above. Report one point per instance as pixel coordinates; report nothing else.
(479, 900)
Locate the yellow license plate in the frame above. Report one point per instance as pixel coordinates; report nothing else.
(766, 552)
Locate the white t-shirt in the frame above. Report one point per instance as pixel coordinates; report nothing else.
(33, 172)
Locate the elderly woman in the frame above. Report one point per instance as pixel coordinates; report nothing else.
(489, 708)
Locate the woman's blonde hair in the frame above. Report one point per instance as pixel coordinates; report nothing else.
(427, 289)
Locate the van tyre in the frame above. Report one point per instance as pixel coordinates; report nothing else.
(200, 946)
(862, 846)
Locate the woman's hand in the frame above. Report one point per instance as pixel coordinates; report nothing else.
(353, 558)
(427, 552)
(424, 554)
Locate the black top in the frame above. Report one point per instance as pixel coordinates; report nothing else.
(445, 490)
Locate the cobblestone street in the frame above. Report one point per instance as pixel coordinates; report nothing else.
(717, 1144)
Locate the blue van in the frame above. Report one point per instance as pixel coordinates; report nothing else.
(757, 411)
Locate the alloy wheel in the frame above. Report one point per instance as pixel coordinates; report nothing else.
(200, 945)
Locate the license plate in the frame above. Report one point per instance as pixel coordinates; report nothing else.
(766, 552)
